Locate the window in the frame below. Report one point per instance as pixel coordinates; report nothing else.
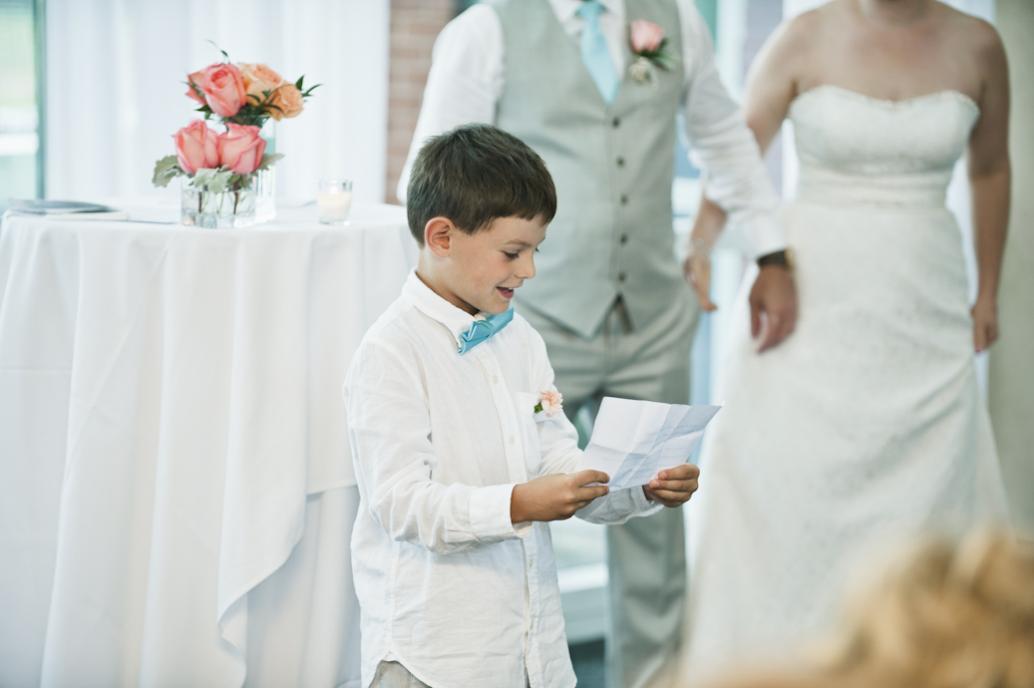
(21, 172)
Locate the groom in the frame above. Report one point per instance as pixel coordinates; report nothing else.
(590, 86)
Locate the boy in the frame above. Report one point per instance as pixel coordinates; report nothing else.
(461, 454)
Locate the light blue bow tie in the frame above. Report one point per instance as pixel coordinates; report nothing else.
(481, 330)
(595, 53)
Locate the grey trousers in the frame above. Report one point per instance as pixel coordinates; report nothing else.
(646, 556)
(394, 675)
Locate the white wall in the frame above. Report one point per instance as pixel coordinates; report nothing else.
(1012, 365)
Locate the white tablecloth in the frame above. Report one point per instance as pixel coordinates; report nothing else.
(176, 492)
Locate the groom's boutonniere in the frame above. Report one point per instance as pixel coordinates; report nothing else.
(650, 48)
(551, 402)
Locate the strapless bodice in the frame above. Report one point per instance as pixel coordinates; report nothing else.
(856, 149)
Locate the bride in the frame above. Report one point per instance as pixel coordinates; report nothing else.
(867, 422)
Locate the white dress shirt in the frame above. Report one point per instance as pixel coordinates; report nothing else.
(447, 585)
(466, 81)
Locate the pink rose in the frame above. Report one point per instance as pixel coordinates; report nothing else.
(241, 148)
(222, 86)
(646, 36)
(196, 147)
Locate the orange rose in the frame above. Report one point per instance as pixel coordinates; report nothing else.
(259, 78)
(286, 101)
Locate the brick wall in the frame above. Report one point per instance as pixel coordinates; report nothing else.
(414, 26)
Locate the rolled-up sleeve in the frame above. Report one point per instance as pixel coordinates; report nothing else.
(464, 82)
(724, 146)
(390, 435)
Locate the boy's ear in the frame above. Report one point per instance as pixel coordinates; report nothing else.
(438, 234)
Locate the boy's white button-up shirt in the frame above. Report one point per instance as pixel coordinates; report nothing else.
(447, 585)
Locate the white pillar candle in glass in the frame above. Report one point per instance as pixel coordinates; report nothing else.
(334, 201)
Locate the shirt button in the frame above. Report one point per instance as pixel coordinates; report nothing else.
(495, 379)
(624, 239)
(621, 277)
(616, 122)
(621, 161)
(509, 440)
(624, 199)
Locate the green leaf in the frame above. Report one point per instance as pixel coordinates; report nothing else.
(240, 182)
(215, 45)
(212, 180)
(165, 170)
(268, 160)
(298, 84)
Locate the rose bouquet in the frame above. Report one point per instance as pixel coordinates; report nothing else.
(241, 97)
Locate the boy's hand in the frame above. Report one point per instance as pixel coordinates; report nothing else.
(555, 497)
(673, 486)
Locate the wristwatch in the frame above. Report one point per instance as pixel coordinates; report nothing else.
(783, 259)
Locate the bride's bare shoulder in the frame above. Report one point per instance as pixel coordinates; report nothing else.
(980, 42)
(806, 32)
(968, 31)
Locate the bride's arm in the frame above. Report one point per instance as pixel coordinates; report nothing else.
(990, 177)
(771, 87)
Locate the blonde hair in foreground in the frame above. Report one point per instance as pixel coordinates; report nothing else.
(950, 614)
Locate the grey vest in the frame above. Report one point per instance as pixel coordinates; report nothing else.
(612, 165)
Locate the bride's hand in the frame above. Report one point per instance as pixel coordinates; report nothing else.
(697, 271)
(985, 323)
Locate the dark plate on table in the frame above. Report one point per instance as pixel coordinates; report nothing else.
(53, 207)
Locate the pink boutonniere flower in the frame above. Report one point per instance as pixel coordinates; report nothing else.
(551, 402)
(650, 47)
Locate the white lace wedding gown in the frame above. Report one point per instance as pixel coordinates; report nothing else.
(867, 422)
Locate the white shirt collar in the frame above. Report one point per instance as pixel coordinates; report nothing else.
(456, 320)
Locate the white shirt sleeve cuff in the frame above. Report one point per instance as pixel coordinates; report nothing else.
(490, 512)
(641, 504)
(765, 235)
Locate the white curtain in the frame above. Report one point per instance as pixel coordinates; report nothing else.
(115, 83)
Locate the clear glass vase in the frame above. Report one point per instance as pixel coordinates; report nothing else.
(264, 182)
(209, 210)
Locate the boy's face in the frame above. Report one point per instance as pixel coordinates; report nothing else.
(481, 271)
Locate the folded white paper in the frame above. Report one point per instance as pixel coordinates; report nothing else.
(633, 440)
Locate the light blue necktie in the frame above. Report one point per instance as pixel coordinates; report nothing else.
(481, 330)
(595, 54)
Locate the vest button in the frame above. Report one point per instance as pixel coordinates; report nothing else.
(621, 277)
(616, 122)
(621, 161)
(624, 199)
(623, 239)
